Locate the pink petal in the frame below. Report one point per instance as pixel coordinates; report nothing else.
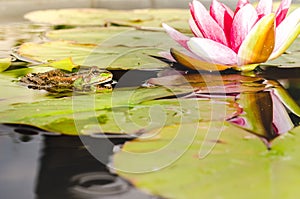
(223, 15)
(286, 33)
(176, 35)
(206, 24)
(211, 51)
(243, 22)
(195, 28)
(282, 11)
(240, 4)
(239, 121)
(281, 120)
(264, 7)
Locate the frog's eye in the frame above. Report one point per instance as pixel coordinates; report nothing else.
(95, 72)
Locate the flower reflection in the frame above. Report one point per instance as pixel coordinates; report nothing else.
(267, 113)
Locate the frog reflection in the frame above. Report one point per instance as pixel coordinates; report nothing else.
(57, 81)
(68, 171)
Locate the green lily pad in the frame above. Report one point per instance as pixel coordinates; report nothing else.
(123, 111)
(92, 35)
(113, 58)
(112, 36)
(83, 17)
(177, 18)
(290, 59)
(101, 17)
(64, 64)
(237, 161)
(13, 93)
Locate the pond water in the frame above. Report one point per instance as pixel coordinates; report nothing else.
(35, 165)
(41, 165)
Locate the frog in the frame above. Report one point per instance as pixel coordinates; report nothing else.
(90, 79)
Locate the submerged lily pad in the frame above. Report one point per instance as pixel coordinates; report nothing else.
(237, 161)
(101, 17)
(118, 57)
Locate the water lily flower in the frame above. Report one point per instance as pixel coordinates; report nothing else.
(240, 39)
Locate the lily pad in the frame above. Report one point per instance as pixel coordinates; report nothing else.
(64, 64)
(290, 59)
(114, 58)
(237, 161)
(112, 36)
(83, 17)
(101, 17)
(123, 111)
(13, 93)
(92, 35)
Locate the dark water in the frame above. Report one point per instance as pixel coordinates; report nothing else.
(38, 165)
(43, 166)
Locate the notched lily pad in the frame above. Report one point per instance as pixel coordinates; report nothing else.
(113, 36)
(118, 57)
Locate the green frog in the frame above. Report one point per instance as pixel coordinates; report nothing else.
(85, 80)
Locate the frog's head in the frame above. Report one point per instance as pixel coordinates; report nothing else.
(97, 77)
(93, 77)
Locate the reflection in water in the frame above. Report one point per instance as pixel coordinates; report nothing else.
(68, 170)
(265, 107)
(268, 113)
(263, 114)
(60, 167)
(18, 164)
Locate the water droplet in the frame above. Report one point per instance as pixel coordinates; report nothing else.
(98, 183)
